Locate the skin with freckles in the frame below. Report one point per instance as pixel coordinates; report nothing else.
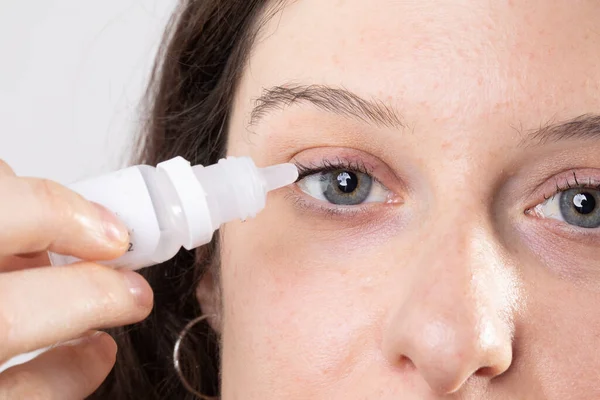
(453, 290)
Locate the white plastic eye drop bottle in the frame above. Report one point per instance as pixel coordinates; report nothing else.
(175, 204)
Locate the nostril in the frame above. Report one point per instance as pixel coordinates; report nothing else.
(405, 363)
(486, 372)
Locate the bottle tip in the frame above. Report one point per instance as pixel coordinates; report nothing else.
(280, 175)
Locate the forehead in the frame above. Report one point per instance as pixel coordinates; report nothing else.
(464, 61)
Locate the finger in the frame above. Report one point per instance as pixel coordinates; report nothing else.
(38, 214)
(42, 306)
(72, 371)
(22, 261)
(5, 170)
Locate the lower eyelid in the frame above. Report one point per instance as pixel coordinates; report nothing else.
(305, 203)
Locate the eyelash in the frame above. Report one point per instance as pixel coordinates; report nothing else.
(327, 165)
(573, 184)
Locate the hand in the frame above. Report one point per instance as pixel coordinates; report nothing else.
(41, 305)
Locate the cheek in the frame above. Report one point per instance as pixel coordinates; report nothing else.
(558, 327)
(560, 338)
(290, 294)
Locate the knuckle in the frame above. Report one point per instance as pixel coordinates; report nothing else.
(47, 191)
(22, 384)
(51, 196)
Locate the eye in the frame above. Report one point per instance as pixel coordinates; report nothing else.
(577, 206)
(344, 187)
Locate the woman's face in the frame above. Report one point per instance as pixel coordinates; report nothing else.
(445, 237)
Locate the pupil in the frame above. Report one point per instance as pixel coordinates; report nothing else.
(347, 182)
(584, 203)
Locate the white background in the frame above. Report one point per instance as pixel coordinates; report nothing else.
(71, 76)
(72, 73)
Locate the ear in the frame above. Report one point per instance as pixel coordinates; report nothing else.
(209, 296)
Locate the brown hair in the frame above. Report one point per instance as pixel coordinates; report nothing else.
(190, 96)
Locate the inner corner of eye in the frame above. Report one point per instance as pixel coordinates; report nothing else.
(548, 208)
(536, 211)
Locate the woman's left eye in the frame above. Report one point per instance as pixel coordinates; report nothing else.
(344, 187)
(577, 206)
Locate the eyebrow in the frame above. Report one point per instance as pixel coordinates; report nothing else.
(346, 103)
(331, 99)
(583, 127)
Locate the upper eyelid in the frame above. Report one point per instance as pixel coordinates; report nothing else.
(560, 182)
(329, 165)
(572, 182)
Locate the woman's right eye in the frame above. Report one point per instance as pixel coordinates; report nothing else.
(344, 187)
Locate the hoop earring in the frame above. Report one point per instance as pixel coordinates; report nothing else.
(176, 363)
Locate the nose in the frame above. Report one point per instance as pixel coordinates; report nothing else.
(454, 322)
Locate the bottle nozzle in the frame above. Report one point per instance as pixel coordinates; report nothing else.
(278, 176)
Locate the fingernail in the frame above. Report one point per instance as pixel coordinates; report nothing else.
(139, 288)
(114, 229)
(97, 337)
(104, 347)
